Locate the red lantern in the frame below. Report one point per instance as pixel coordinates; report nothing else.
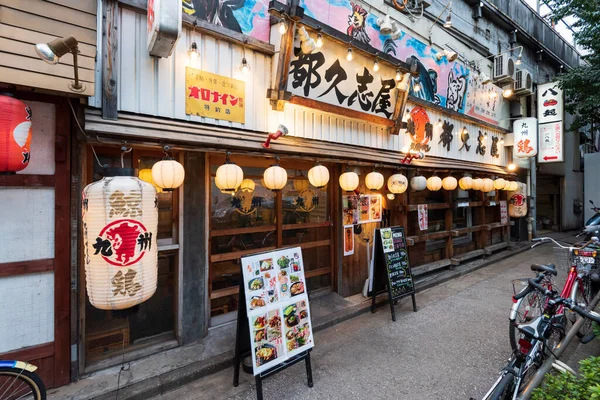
(15, 134)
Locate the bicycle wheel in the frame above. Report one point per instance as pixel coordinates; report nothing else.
(19, 384)
(583, 296)
(504, 389)
(530, 307)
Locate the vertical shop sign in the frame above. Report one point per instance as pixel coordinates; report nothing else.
(214, 96)
(503, 212)
(423, 217)
(525, 131)
(550, 114)
(348, 240)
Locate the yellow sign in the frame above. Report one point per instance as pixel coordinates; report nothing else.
(214, 96)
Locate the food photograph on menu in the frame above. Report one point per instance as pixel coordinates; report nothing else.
(277, 305)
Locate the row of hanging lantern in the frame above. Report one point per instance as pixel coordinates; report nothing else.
(230, 177)
(398, 183)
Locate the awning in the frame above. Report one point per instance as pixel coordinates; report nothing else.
(153, 132)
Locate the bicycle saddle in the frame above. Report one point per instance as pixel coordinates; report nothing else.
(549, 268)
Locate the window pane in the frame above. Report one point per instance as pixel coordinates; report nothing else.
(242, 241)
(225, 274)
(302, 202)
(295, 237)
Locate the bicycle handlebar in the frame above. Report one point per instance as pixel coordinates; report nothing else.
(529, 287)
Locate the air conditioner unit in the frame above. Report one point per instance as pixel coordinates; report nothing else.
(523, 83)
(504, 69)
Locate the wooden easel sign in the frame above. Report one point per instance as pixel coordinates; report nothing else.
(274, 325)
(391, 270)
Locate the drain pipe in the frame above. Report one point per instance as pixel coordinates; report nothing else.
(538, 378)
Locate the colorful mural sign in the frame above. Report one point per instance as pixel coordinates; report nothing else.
(214, 96)
(442, 82)
(250, 17)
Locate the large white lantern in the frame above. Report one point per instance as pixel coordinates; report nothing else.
(477, 184)
(418, 183)
(374, 180)
(499, 183)
(514, 186)
(466, 183)
(168, 174)
(318, 176)
(229, 176)
(247, 186)
(120, 222)
(449, 183)
(434, 183)
(397, 183)
(349, 181)
(487, 185)
(275, 177)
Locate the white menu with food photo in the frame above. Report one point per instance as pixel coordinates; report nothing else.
(277, 305)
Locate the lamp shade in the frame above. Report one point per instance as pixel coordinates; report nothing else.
(397, 183)
(349, 181)
(487, 185)
(513, 186)
(318, 176)
(434, 183)
(15, 134)
(229, 177)
(449, 183)
(477, 184)
(466, 183)
(275, 177)
(120, 222)
(168, 174)
(247, 186)
(418, 183)
(374, 180)
(146, 175)
(499, 183)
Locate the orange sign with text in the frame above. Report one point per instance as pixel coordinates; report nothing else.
(214, 96)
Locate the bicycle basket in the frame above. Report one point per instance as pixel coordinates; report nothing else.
(563, 259)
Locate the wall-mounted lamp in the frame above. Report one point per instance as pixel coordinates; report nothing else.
(283, 27)
(375, 65)
(398, 75)
(385, 25)
(350, 54)
(519, 57)
(447, 24)
(193, 52)
(53, 51)
(307, 44)
(507, 92)
(450, 55)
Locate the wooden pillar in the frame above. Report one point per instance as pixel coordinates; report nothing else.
(448, 225)
(482, 237)
(110, 45)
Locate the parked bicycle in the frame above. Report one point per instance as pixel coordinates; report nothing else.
(580, 286)
(537, 340)
(18, 380)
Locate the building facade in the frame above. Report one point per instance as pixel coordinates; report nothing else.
(391, 87)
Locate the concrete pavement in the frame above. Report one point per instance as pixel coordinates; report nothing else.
(452, 348)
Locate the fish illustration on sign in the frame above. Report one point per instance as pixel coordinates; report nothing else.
(420, 129)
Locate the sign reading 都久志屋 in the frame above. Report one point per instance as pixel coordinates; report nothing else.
(526, 143)
(214, 96)
(550, 114)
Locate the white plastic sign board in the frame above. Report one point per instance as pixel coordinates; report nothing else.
(164, 26)
(525, 133)
(277, 305)
(551, 143)
(551, 128)
(550, 103)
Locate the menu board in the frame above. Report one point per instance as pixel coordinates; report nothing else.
(395, 259)
(361, 209)
(277, 306)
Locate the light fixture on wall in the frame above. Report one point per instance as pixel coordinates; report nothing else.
(416, 87)
(349, 54)
(390, 196)
(512, 167)
(229, 176)
(519, 57)
(507, 92)
(283, 27)
(193, 52)
(385, 25)
(275, 177)
(398, 75)
(501, 141)
(450, 55)
(318, 176)
(51, 52)
(319, 41)
(307, 44)
(348, 180)
(485, 78)
(447, 24)
(440, 124)
(375, 65)
(244, 66)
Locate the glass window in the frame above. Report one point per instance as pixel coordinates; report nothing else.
(302, 202)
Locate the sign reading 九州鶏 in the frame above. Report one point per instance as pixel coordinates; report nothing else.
(214, 96)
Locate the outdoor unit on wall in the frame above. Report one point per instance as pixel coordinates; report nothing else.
(164, 26)
(504, 69)
(523, 83)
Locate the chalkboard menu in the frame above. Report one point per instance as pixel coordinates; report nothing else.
(391, 269)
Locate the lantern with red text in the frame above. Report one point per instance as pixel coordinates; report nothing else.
(15, 135)
(120, 222)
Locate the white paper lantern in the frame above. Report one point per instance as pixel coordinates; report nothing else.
(120, 222)
(229, 176)
(374, 180)
(318, 176)
(513, 186)
(418, 183)
(247, 186)
(466, 183)
(434, 183)
(487, 185)
(397, 183)
(477, 184)
(449, 183)
(275, 177)
(168, 174)
(349, 181)
(499, 183)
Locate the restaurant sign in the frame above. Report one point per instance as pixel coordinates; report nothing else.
(550, 113)
(330, 77)
(214, 96)
(525, 131)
